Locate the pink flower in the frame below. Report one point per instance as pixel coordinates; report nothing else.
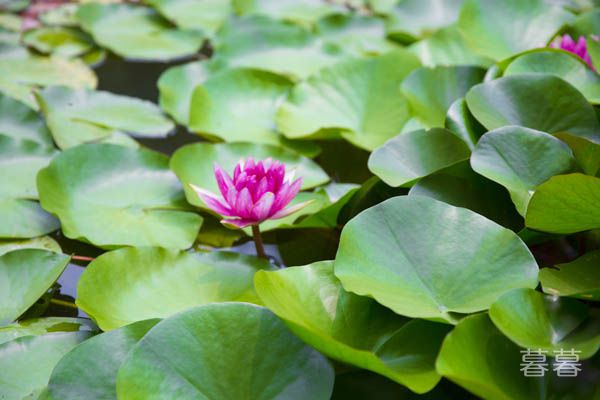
(578, 48)
(258, 191)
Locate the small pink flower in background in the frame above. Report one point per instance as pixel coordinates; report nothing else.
(258, 191)
(578, 48)
(37, 7)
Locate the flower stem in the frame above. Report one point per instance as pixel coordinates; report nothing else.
(82, 258)
(258, 242)
(64, 303)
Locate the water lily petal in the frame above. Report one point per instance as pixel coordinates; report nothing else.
(223, 180)
(290, 210)
(262, 208)
(237, 223)
(244, 204)
(213, 202)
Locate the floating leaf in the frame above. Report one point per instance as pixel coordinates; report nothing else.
(565, 204)
(414, 155)
(176, 86)
(586, 153)
(205, 15)
(461, 122)
(133, 284)
(195, 352)
(20, 161)
(25, 276)
(350, 328)
(306, 12)
(542, 102)
(338, 195)
(41, 326)
(578, 278)
(412, 19)
(21, 122)
(43, 242)
(392, 252)
(137, 32)
(520, 159)
(61, 41)
(20, 76)
(479, 358)
(90, 369)
(431, 91)
(273, 46)
(360, 99)
(18, 378)
(499, 29)
(561, 64)
(447, 47)
(537, 321)
(238, 105)
(194, 163)
(460, 186)
(79, 116)
(116, 197)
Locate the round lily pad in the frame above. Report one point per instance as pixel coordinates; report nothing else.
(499, 29)
(117, 196)
(137, 32)
(520, 159)
(90, 369)
(542, 102)
(414, 155)
(206, 15)
(194, 164)
(25, 275)
(21, 122)
(133, 284)
(224, 351)
(351, 328)
(42, 242)
(79, 116)
(393, 253)
(578, 278)
(537, 321)
(360, 99)
(61, 41)
(41, 326)
(306, 12)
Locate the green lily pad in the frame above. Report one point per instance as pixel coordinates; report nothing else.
(359, 35)
(353, 329)
(476, 356)
(565, 204)
(20, 161)
(500, 29)
(26, 275)
(307, 12)
(360, 99)
(21, 122)
(461, 122)
(42, 242)
(561, 64)
(206, 15)
(578, 278)
(42, 326)
(392, 252)
(542, 102)
(275, 46)
(117, 197)
(90, 369)
(587, 23)
(61, 41)
(586, 153)
(194, 163)
(414, 155)
(176, 86)
(431, 91)
(224, 351)
(137, 32)
(238, 105)
(18, 378)
(63, 15)
(412, 19)
(20, 76)
(460, 186)
(338, 195)
(133, 284)
(537, 321)
(447, 47)
(79, 116)
(520, 159)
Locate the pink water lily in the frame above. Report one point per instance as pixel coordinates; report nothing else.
(579, 47)
(258, 191)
